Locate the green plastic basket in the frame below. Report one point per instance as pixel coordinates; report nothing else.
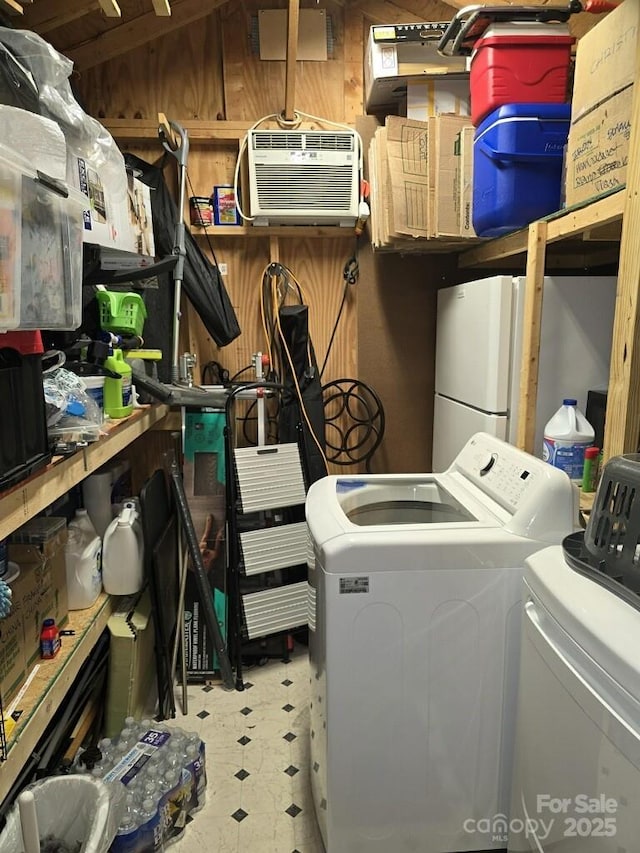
(123, 313)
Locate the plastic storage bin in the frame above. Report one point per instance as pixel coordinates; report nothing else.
(24, 445)
(41, 234)
(122, 313)
(517, 166)
(519, 64)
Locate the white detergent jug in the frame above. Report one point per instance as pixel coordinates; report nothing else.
(566, 437)
(123, 555)
(83, 554)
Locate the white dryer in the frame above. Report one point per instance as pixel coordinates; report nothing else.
(577, 769)
(414, 644)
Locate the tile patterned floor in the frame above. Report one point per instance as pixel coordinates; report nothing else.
(258, 791)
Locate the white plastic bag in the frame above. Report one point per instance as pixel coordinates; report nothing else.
(73, 809)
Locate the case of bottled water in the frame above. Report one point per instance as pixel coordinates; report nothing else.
(163, 771)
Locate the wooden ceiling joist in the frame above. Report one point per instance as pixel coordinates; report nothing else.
(12, 7)
(138, 32)
(110, 8)
(162, 8)
(44, 17)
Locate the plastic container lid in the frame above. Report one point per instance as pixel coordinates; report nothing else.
(49, 623)
(38, 530)
(591, 452)
(525, 112)
(569, 402)
(530, 31)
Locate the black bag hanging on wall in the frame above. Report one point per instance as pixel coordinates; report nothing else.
(294, 323)
(202, 280)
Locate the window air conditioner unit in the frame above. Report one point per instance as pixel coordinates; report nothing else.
(303, 177)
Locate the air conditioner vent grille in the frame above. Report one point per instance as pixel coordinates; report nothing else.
(304, 187)
(283, 141)
(278, 141)
(330, 142)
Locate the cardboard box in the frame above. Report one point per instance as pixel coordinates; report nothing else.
(448, 129)
(41, 588)
(131, 661)
(598, 149)
(465, 184)
(606, 61)
(606, 69)
(390, 64)
(140, 217)
(12, 662)
(429, 98)
(106, 217)
(408, 163)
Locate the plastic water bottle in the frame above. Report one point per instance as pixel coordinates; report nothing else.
(106, 749)
(126, 836)
(123, 557)
(566, 437)
(151, 828)
(83, 553)
(131, 723)
(128, 736)
(196, 766)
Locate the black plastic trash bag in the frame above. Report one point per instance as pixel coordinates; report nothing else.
(202, 280)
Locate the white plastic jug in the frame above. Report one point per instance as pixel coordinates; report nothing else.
(83, 554)
(109, 486)
(123, 557)
(566, 437)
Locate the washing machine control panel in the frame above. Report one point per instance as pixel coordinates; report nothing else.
(540, 500)
(506, 474)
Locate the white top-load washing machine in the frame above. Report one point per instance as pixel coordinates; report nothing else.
(576, 778)
(414, 645)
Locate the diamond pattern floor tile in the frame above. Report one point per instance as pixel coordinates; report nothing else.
(258, 794)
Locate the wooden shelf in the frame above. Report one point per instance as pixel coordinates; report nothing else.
(581, 222)
(47, 688)
(200, 132)
(31, 496)
(258, 231)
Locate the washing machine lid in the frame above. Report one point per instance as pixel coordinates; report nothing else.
(366, 503)
(601, 623)
(490, 485)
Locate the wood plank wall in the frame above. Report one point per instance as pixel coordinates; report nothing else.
(207, 71)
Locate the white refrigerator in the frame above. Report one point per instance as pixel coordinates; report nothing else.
(479, 337)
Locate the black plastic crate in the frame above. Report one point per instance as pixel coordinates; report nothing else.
(24, 444)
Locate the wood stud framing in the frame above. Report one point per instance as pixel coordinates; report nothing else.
(162, 8)
(293, 20)
(12, 7)
(532, 322)
(110, 8)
